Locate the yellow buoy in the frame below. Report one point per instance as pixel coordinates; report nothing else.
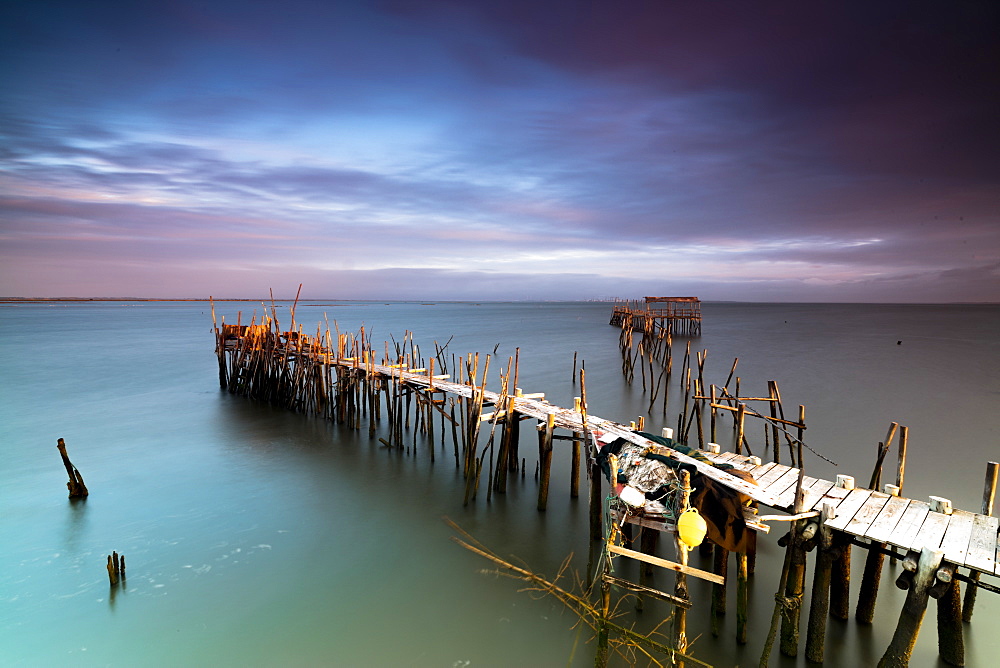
(691, 527)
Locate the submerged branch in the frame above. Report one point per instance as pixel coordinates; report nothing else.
(628, 644)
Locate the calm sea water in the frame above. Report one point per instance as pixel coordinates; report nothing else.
(259, 537)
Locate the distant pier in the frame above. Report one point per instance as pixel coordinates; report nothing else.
(681, 316)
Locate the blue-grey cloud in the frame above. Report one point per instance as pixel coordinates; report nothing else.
(520, 149)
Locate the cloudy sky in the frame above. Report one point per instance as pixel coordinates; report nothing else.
(476, 149)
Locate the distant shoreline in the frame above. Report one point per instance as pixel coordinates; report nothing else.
(10, 301)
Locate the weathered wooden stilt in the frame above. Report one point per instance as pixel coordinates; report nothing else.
(951, 642)
(545, 457)
(648, 539)
(793, 593)
(680, 582)
(740, 417)
(742, 597)
(720, 564)
(820, 604)
(897, 655)
(795, 579)
(840, 580)
(574, 475)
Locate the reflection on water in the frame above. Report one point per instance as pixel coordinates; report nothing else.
(258, 536)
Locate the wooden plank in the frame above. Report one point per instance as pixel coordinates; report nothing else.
(866, 514)
(723, 457)
(931, 531)
(909, 523)
(787, 498)
(848, 508)
(815, 493)
(746, 463)
(779, 486)
(881, 528)
(983, 544)
(773, 474)
(758, 471)
(955, 543)
(833, 496)
(663, 563)
(646, 521)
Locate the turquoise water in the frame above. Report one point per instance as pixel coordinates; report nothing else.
(259, 537)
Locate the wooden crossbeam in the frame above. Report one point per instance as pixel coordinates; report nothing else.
(664, 563)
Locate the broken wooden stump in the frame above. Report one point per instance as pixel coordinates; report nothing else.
(116, 568)
(77, 489)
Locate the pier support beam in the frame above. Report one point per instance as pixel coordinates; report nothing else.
(897, 655)
(951, 641)
(545, 458)
(820, 605)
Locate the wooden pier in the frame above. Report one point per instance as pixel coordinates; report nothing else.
(343, 377)
(680, 316)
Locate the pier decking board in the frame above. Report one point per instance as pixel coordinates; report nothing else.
(787, 479)
(787, 497)
(775, 473)
(955, 543)
(847, 508)
(931, 531)
(815, 493)
(867, 514)
(882, 527)
(909, 523)
(983, 552)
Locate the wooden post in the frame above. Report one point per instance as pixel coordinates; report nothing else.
(601, 659)
(901, 463)
(773, 404)
(897, 655)
(793, 592)
(820, 606)
(741, 409)
(989, 494)
(116, 568)
(720, 565)
(680, 582)
(712, 416)
(75, 485)
(545, 458)
(648, 539)
(779, 606)
(840, 581)
(868, 591)
(742, 597)
(112, 574)
(574, 476)
(951, 643)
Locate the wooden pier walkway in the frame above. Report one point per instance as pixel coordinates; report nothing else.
(338, 377)
(968, 540)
